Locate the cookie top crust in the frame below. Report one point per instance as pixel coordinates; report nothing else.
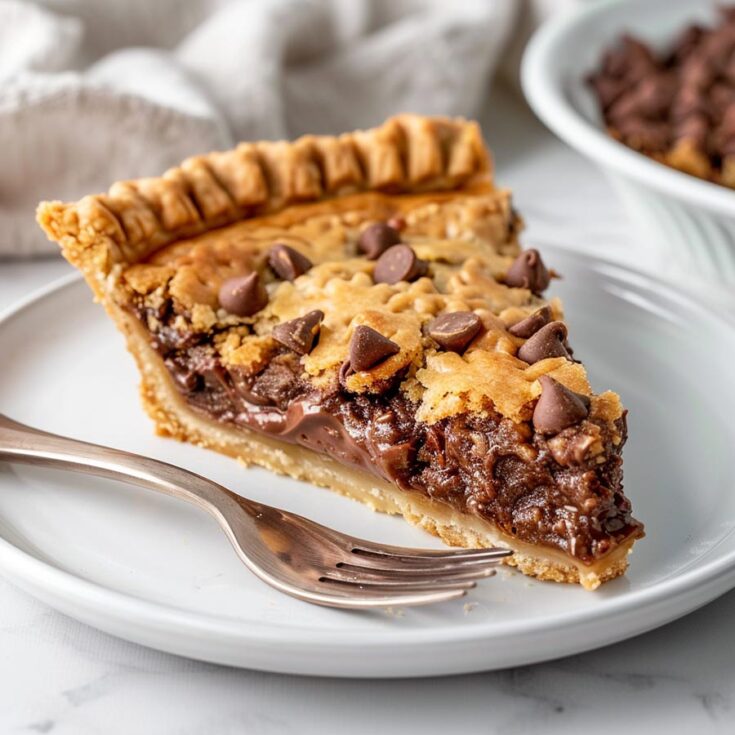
(235, 244)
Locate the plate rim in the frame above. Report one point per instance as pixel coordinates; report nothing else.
(31, 573)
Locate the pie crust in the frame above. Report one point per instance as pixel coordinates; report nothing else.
(156, 253)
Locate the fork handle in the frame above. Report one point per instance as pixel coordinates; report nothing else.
(26, 445)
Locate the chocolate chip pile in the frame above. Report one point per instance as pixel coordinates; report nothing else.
(677, 106)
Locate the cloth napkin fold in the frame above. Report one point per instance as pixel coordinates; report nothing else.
(94, 91)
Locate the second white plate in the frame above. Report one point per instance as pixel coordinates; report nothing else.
(160, 573)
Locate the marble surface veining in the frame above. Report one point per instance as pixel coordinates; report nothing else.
(59, 676)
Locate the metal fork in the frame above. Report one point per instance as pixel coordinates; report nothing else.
(291, 553)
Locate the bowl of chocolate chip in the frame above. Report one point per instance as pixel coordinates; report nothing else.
(647, 90)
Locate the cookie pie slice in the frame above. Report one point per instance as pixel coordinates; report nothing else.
(355, 311)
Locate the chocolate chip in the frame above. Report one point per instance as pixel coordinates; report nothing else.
(399, 263)
(376, 239)
(299, 334)
(528, 271)
(649, 99)
(287, 263)
(453, 332)
(558, 407)
(368, 348)
(531, 324)
(647, 135)
(547, 342)
(722, 96)
(608, 90)
(689, 101)
(243, 295)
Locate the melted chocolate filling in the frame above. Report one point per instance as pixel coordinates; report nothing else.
(540, 490)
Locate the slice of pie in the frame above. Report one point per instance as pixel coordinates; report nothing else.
(355, 311)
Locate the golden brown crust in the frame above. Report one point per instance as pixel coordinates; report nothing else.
(408, 153)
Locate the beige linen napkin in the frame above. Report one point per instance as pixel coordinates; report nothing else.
(94, 91)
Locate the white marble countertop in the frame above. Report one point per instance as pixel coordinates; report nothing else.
(59, 676)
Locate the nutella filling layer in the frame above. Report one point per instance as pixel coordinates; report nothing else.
(538, 489)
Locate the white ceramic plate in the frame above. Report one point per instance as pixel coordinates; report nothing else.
(158, 572)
